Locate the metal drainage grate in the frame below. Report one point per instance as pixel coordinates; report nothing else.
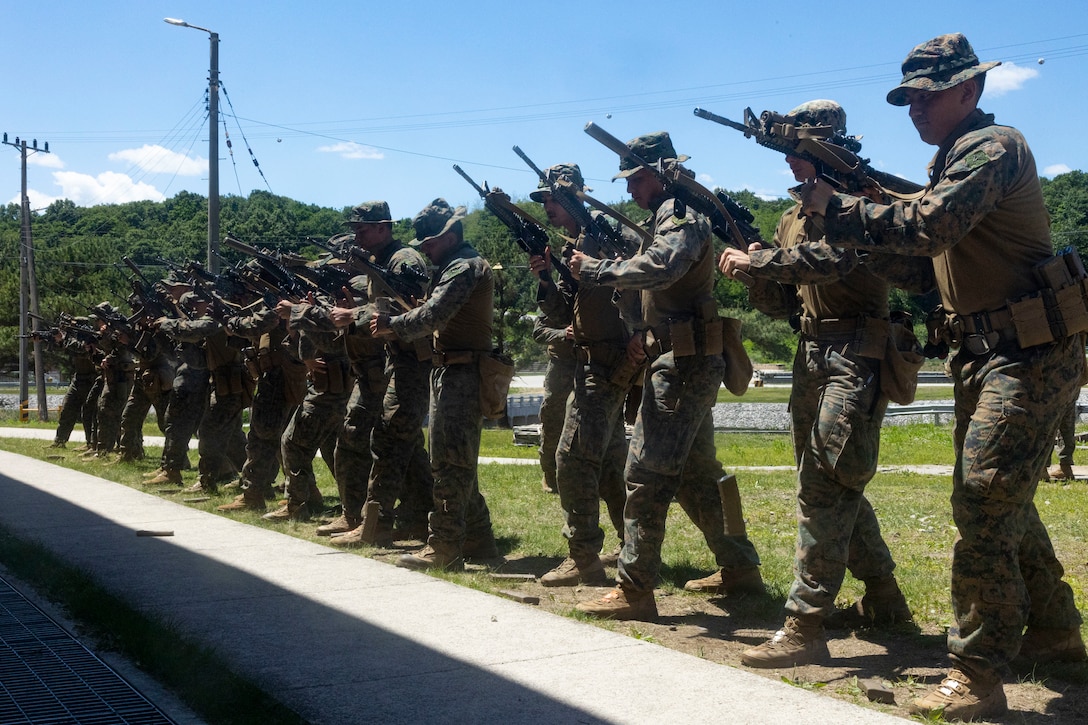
(47, 677)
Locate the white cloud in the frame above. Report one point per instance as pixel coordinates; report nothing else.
(1056, 170)
(352, 150)
(705, 179)
(158, 160)
(49, 161)
(1007, 77)
(109, 187)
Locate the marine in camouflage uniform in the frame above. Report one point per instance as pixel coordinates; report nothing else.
(281, 387)
(458, 314)
(558, 385)
(401, 469)
(188, 397)
(152, 387)
(672, 451)
(84, 370)
(983, 221)
(592, 449)
(117, 376)
(321, 414)
(837, 408)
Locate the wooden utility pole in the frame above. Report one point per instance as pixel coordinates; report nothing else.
(28, 293)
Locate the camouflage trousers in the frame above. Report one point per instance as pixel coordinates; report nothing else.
(188, 400)
(74, 399)
(837, 410)
(1005, 574)
(590, 457)
(268, 416)
(354, 458)
(459, 509)
(558, 384)
(1067, 434)
(318, 418)
(401, 465)
(111, 403)
(672, 455)
(89, 412)
(135, 413)
(219, 431)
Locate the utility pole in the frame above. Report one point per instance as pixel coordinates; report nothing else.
(28, 292)
(213, 144)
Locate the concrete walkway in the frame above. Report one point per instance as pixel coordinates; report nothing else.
(340, 638)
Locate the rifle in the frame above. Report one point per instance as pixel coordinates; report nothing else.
(835, 157)
(607, 238)
(153, 301)
(402, 287)
(690, 193)
(528, 233)
(67, 324)
(268, 276)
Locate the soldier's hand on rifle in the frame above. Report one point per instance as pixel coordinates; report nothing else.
(576, 263)
(538, 263)
(283, 309)
(814, 195)
(347, 298)
(379, 326)
(636, 348)
(732, 261)
(342, 316)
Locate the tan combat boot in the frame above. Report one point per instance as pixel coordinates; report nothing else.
(245, 501)
(799, 642)
(882, 606)
(746, 580)
(289, 511)
(430, 558)
(167, 475)
(1061, 472)
(963, 697)
(571, 573)
(339, 525)
(621, 603)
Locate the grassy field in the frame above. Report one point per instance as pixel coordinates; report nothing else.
(913, 510)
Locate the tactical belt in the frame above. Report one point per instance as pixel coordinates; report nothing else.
(831, 327)
(453, 357)
(980, 332)
(600, 353)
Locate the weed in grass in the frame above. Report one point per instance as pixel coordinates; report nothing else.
(798, 681)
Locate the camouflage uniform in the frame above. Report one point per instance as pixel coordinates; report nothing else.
(672, 451)
(117, 376)
(458, 313)
(984, 223)
(152, 387)
(83, 376)
(281, 386)
(558, 385)
(321, 413)
(401, 468)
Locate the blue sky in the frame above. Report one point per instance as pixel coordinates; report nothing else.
(341, 102)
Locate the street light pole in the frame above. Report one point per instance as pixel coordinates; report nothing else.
(213, 145)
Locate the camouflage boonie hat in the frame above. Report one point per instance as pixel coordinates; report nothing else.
(103, 309)
(565, 172)
(436, 219)
(937, 64)
(650, 147)
(191, 297)
(370, 212)
(820, 113)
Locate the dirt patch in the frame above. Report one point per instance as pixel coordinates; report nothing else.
(909, 660)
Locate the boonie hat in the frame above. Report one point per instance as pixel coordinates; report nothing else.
(650, 147)
(937, 64)
(565, 172)
(436, 219)
(370, 212)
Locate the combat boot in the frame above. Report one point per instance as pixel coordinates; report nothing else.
(624, 604)
(547, 484)
(746, 580)
(244, 501)
(963, 697)
(56, 444)
(480, 547)
(1061, 472)
(801, 641)
(430, 558)
(340, 525)
(167, 475)
(152, 474)
(571, 573)
(883, 605)
(290, 511)
(1041, 645)
(612, 558)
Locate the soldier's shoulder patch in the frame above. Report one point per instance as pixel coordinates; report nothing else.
(978, 157)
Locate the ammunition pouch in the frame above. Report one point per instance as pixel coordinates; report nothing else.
(621, 371)
(334, 377)
(685, 338)
(901, 361)
(738, 366)
(233, 380)
(867, 335)
(496, 374)
(420, 349)
(1060, 308)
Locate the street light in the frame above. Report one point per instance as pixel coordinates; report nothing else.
(213, 145)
